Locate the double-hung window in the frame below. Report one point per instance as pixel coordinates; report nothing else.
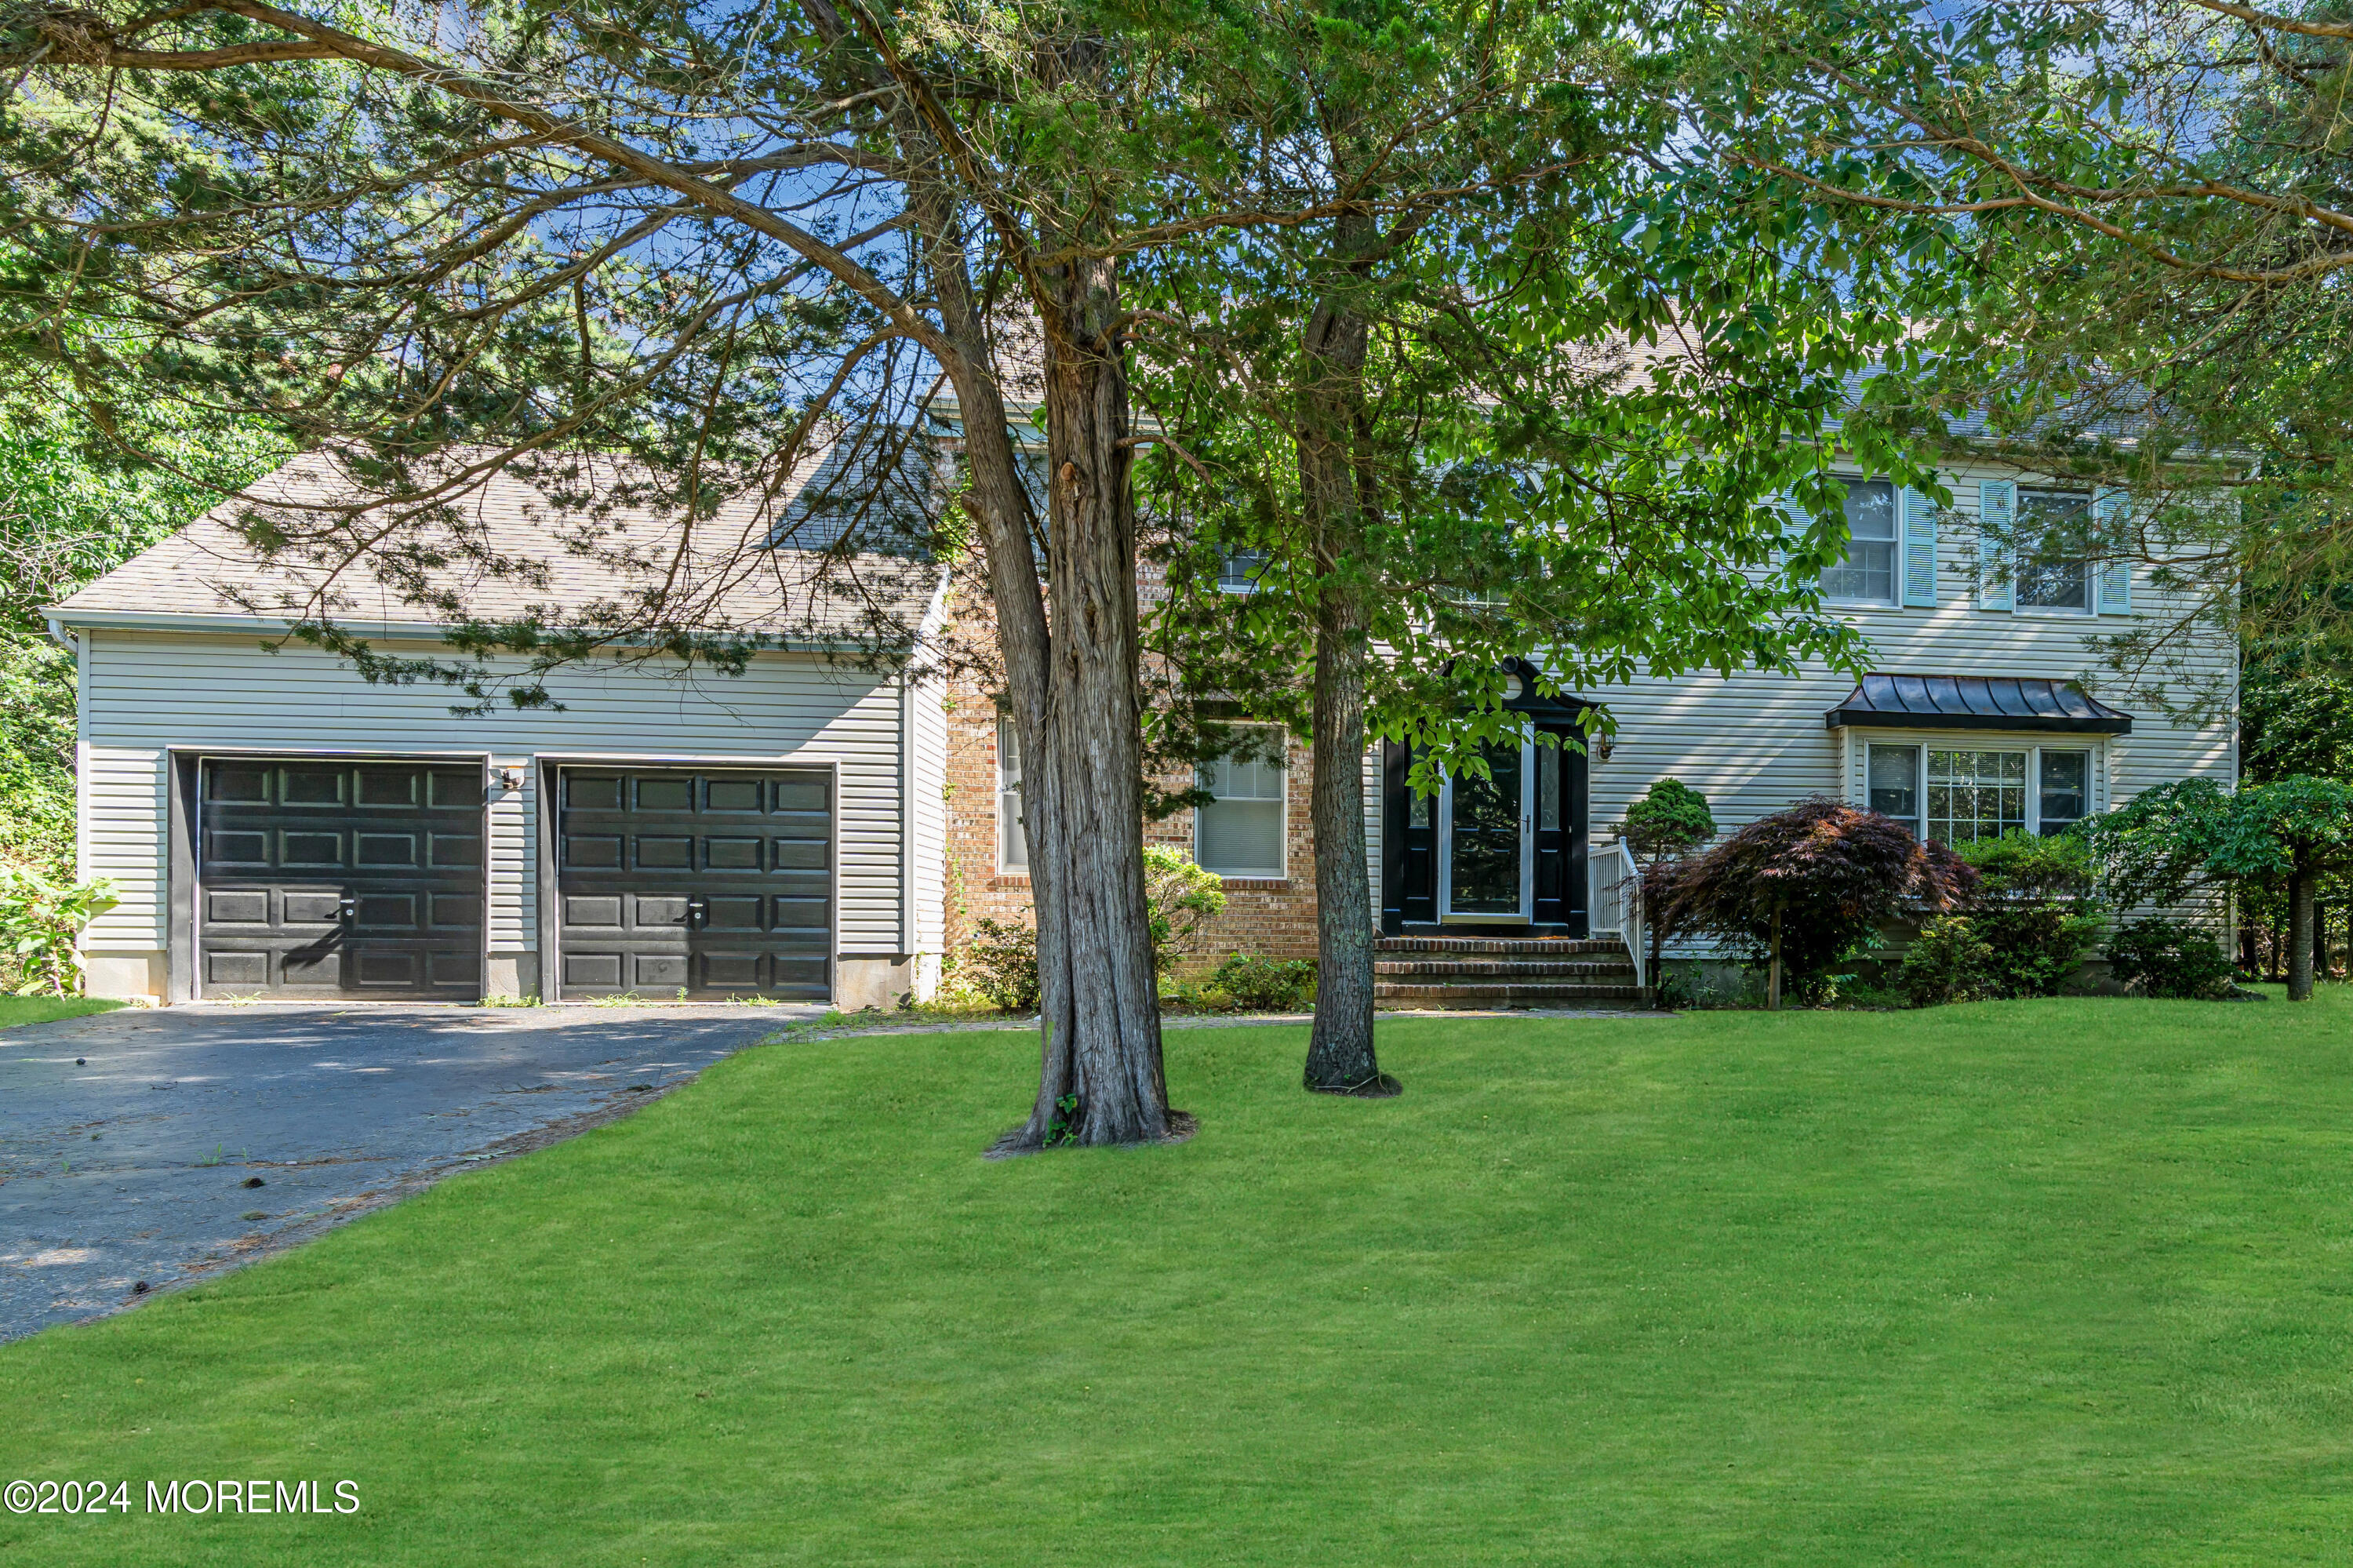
(1955, 795)
(1240, 832)
(1012, 842)
(1238, 573)
(1869, 574)
(2054, 547)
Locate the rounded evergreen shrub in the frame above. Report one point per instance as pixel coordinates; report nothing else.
(2158, 957)
(1948, 961)
(1265, 985)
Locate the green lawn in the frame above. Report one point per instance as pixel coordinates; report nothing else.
(2037, 1283)
(17, 1009)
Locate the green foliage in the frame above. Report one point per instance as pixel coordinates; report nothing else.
(2021, 865)
(1000, 962)
(41, 921)
(1947, 962)
(2297, 723)
(2166, 957)
(1827, 873)
(1183, 899)
(1062, 1127)
(2038, 946)
(74, 504)
(2200, 319)
(2172, 841)
(1257, 984)
(1668, 820)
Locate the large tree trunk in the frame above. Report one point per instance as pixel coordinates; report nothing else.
(1071, 681)
(2300, 937)
(1340, 1057)
(1331, 432)
(1083, 781)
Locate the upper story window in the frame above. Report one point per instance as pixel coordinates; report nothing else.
(1238, 573)
(1241, 831)
(1012, 842)
(2054, 568)
(1869, 574)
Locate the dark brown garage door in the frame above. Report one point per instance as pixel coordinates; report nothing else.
(716, 882)
(332, 878)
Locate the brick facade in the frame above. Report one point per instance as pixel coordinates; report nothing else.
(1263, 917)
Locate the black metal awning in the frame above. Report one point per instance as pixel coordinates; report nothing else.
(1976, 701)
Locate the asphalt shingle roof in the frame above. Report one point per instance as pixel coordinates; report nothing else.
(579, 540)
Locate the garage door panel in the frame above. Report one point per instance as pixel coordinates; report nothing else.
(307, 968)
(240, 848)
(733, 854)
(734, 912)
(313, 788)
(386, 912)
(592, 971)
(250, 970)
(592, 851)
(654, 913)
(657, 971)
(732, 971)
(394, 786)
(305, 909)
(244, 907)
(593, 913)
(322, 878)
(663, 851)
(456, 912)
(383, 852)
(311, 849)
(738, 795)
(457, 852)
(713, 880)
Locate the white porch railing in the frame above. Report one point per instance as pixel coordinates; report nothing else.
(1614, 900)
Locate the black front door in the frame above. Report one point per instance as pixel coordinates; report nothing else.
(714, 882)
(1559, 839)
(325, 877)
(1486, 834)
(1408, 844)
(1410, 835)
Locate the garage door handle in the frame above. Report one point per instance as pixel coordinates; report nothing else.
(348, 909)
(697, 913)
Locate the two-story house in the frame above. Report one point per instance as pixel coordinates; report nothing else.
(276, 827)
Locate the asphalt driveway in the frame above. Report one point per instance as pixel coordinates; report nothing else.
(158, 1146)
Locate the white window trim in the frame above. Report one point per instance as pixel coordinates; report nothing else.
(1005, 867)
(1282, 828)
(1249, 584)
(1894, 600)
(2017, 605)
(2032, 744)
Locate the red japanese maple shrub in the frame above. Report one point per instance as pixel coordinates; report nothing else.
(1817, 880)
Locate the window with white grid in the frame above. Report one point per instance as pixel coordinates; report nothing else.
(1240, 832)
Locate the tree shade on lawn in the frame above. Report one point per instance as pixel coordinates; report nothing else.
(2052, 1283)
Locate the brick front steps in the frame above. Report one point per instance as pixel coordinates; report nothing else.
(1501, 971)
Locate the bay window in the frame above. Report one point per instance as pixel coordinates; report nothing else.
(1956, 795)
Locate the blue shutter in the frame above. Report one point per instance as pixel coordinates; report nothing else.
(1919, 548)
(2108, 509)
(1997, 515)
